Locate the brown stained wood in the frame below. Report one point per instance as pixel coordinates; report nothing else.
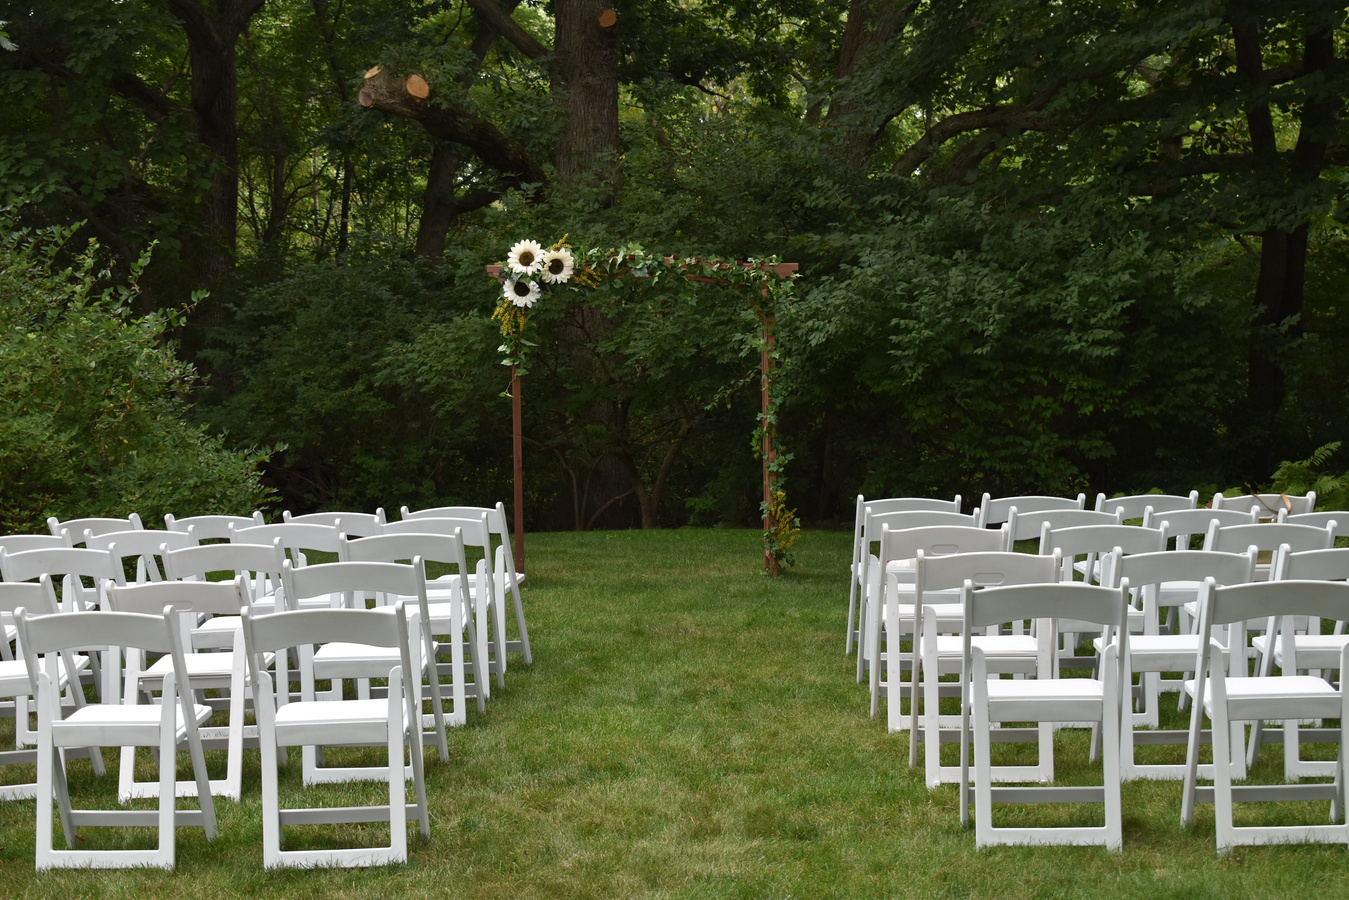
(416, 86)
(608, 18)
(373, 71)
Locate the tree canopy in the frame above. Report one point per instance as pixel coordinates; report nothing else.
(1044, 246)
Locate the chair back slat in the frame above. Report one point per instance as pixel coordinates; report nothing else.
(1135, 506)
(993, 568)
(1084, 602)
(221, 598)
(995, 511)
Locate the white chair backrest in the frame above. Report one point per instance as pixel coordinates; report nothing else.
(875, 523)
(1027, 526)
(68, 563)
(1106, 542)
(1181, 523)
(212, 528)
(880, 506)
(353, 523)
(1268, 536)
(1317, 519)
(938, 540)
(97, 525)
(1082, 602)
(1145, 569)
(431, 547)
(1134, 506)
(497, 523)
(202, 561)
(296, 537)
(994, 568)
(1267, 506)
(219, 598)
(326, 579)
(18, 543)
(1235, 605)
(475, 531)
(1312, 565)
(143, 546)
(996, 511)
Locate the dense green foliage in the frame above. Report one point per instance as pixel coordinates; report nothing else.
(91, 408)
(1089, 246)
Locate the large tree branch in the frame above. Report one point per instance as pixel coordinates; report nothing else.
(496, 149)
(508, 28)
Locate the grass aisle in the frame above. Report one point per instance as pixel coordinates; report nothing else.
(691, 729)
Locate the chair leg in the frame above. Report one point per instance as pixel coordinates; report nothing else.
(398, 812)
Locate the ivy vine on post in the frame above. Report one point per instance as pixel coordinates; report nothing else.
(762, 281)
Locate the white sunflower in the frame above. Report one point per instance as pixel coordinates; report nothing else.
(558, 266)
(522, 293)
(525, 258)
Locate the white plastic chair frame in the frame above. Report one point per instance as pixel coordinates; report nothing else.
(994, 511)
(15, 683)
(143, 546)
(448, 617)
(165, 726)
(18, 543)
(1229, 697)
(880, 506)
(1153, 653)
(393, 722)
(1267, 506)
(889, 619)
(873, 576)
(939, 649)
(222, 671)
(1316, 652)
(258, 564)
(503, 565)
(336, 661)
(96, 524)
(1043, 699)
(1028, 526)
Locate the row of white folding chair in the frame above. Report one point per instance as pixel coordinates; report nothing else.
(995, 511)
(1225, 693)
(505, 575)
(861, 548)
(18, 543)
(174, 721)
(1134, 506)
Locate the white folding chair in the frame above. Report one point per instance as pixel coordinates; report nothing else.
(296, 538)
(223, 670)
(362, 661)
(1028, 526)
(1153, 652)
(1316, 653)
(111, 724)
(994, 511)
(1339, 517)
(1133, 506)
(890, 619)
(1042, 699)
(1232, 697)
(449, 616)
(503, 564)
(15, 683)
(880, 506)
(873, 576)
(18, 543)
(938, 652)
(393, 722)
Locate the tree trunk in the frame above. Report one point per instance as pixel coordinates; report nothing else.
(851, 134)
(586, 94)
(212, 33)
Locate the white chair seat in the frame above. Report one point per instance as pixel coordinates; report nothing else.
(1074, 699)
(1265, 698)
(89, 726)
(1314, 651)
(350, 721)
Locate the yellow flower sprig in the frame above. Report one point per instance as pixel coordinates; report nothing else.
(512, 318)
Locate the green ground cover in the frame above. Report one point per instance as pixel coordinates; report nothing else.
(690, 729)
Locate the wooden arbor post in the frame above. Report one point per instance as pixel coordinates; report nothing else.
(767, 314)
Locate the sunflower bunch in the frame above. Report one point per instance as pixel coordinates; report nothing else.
(528, 262)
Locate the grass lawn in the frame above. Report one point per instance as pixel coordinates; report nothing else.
(689, 729)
